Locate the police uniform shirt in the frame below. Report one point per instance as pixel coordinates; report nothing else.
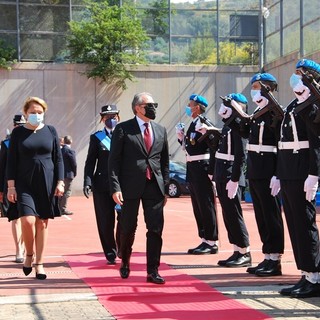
(300, 163)
(230, 142)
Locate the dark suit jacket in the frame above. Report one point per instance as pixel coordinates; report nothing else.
(128, 159)
(69, 161)
(96, 166)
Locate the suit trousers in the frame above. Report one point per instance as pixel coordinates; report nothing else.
(267, 210)
(152, 203)
(67, 193)
(301, 220)
(105, 216)
(232, 216)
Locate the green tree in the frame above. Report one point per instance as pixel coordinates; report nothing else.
(7, 55)
(108, 39)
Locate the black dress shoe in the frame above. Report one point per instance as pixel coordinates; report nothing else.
(243, 260)
(111, 257)
(190, 251)
(234, 256)
(272, 268)
(261, 265)
(155, 277)
(287, 291)
(206, 249)
(307, 289)
(124, 271)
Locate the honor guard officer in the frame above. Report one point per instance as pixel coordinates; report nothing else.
(96, 180)
(298, 171)
(199, 176)
(228, 176)
(262, 133)
(309, 96)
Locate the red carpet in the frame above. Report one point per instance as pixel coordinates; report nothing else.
(182, 297)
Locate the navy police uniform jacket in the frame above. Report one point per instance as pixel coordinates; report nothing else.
(96, 165)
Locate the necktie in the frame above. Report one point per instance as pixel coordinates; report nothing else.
(148, 142)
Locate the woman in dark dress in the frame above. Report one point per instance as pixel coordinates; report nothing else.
(35, 179)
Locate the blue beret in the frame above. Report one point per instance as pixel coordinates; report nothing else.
(238, 97)
(308, 64)
(263, 77)
(200, 99)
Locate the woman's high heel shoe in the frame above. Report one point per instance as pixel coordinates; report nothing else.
(28, 270)
(40, 276)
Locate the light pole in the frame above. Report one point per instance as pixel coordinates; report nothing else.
(263, 14)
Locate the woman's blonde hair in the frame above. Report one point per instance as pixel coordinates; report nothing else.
(37, 100)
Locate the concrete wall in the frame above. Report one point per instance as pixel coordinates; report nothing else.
(75, 102)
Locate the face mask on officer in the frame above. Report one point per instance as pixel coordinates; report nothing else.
(150, 110)
(258, 99)
(188, 111)
(111, 122)
(301, 91)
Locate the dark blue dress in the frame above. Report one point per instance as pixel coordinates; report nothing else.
(35, 163)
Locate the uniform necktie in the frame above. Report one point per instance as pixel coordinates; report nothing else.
(148, 142)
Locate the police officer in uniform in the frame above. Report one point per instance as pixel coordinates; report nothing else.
(199, 175)
(264, 186)
(96, 180)
(298, 171)
(228, 176)
(10, 210)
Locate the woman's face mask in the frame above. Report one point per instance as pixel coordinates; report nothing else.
(35, 119)
(111, 123)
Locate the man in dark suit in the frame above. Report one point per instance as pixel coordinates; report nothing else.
(139, 171)
(70, 172)
(96, 180)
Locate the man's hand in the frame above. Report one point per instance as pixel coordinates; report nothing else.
(86, 191)
(117, 198)
(180, 130)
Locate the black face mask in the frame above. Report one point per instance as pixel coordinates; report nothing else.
(150, 109)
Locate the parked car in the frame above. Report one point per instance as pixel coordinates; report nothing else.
(178, 184)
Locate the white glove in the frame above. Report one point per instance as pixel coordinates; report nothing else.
(303, 90)
(311, 187)
(260, 100)
(180, 130)
(210, 176)
(202, 127)
(232, 188)
(274, 186)
(225, 112)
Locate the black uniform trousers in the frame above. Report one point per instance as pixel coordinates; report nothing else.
(105, 216)
(267, 211)
(301, 219)
(152, 203)
(203, 204)
(232, 216)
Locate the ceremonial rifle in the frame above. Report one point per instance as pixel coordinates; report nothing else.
(212, 136)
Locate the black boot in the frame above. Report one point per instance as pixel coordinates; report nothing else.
(261, 265)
